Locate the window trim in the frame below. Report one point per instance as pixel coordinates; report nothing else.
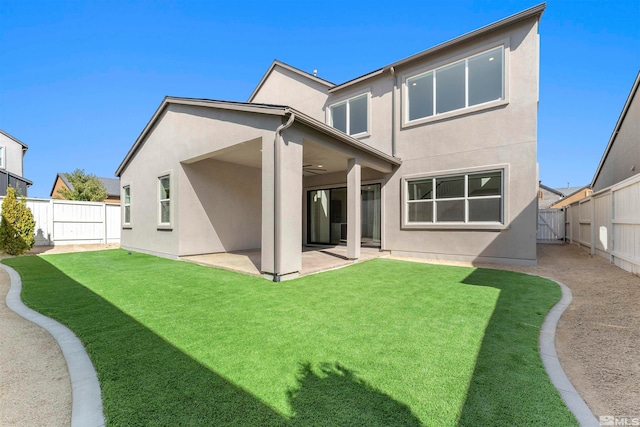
(488, 225)
(165, 225)
(3, 157)
(432, 68)
(125, 205)
(346, 100)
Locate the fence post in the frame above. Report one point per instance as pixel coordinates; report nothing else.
(50, 222)
(593, 226)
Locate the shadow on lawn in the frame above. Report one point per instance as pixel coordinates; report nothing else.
(508, 362)
(145, 380)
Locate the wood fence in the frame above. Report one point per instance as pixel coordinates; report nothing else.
(608, 223)
(67, 222)
(551, 223)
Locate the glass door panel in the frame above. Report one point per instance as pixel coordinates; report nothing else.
(318, 217)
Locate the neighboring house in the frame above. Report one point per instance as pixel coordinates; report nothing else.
(112, 185)
(12, 152)
(621, 158)
(422, 158)
(570, 195)
(547, 196)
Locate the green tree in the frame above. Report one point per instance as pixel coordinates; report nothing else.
(17, 225)
(85, 187)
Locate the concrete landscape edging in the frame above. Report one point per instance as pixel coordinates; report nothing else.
(86, 410)
(559, 379)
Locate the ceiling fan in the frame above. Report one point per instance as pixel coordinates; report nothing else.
(316, 170)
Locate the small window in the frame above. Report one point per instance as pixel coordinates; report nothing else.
(127, 204)
(351, 116)
(471, 81)
(165, 200)
(2, 158)
(469, 198)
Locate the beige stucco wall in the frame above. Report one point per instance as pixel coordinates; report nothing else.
(182, 134)
(504, 135)
(284, 87)
(220, 207)
(625, 150)
(13, 154)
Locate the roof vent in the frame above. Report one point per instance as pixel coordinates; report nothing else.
(315, 73)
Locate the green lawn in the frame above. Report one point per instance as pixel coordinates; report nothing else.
(382, 342)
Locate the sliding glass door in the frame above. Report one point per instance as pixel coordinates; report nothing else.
(327, 215)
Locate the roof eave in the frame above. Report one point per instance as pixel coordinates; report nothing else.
(13, 138)
(616, 129)
(238, 106)
(520, 16)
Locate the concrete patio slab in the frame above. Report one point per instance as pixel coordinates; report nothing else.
(314, 259)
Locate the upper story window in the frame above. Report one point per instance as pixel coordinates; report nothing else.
(462, 84)
(351, 116)
(127, 204)
(466, 199)
(2, 158)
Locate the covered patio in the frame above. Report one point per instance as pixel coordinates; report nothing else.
(314, 259)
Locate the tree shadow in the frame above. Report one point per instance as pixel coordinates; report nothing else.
(500, 392)
(146, 380)
(335, 396)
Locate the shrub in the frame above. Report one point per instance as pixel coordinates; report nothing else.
(17, 225)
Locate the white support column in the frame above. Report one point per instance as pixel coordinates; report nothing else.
(354, 215)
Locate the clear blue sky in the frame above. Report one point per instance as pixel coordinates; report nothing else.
(80, 80)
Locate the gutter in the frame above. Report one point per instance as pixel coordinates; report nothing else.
(276, 196)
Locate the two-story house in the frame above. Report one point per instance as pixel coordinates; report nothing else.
(431, 156)
(12, 152)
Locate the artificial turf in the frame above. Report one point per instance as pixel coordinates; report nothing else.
(379, 343)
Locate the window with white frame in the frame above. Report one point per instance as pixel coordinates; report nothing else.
(351, 116)
(164, 212)
(466, 198)
(470, 81)
(2, 158)
(127, 204)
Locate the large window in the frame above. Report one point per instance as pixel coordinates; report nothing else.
(127, 204)
(465, 83)
(469, 198)
(164, 184)
(351, 116)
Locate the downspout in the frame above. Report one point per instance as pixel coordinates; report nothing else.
(393, 111)
(276, 196)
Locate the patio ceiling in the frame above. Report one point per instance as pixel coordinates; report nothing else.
(317, 159)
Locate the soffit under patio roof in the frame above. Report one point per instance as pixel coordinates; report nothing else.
(316, 158)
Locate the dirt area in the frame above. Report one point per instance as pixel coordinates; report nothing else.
(35, 389)
(598, 336)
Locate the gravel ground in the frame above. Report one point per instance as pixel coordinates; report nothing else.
(34, 388)
(597, 340)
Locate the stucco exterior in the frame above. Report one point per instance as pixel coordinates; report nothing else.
(12, 151)
(242, 173)
(621, 159)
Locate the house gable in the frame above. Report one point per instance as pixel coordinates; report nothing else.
(285, 85)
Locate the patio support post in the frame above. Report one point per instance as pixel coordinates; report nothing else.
(354, 199)
(281, 257)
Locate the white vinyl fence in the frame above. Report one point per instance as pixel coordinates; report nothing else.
(608, 223)
(550, 226)
(67, 222)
